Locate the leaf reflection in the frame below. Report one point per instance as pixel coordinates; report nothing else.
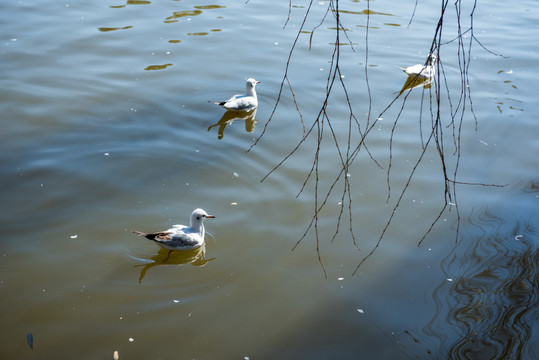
(231, 115)
(208, 7)
(179, 14)
(364, 12)
(198, 34)
(493, 304)
(195, 257)
(131, 2)
(105, 29)
(157, 67)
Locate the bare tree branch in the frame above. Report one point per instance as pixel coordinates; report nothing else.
(347, 150)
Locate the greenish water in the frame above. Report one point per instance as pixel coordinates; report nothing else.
(106, 127)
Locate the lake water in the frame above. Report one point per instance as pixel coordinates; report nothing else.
(106, 127)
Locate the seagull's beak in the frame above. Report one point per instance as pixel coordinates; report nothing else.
(210, 216)
(257, 82)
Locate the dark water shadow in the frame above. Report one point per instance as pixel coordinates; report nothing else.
(194, 257)
(230, 115)
(488, 305)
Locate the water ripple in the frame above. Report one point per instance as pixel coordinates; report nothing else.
(491, 304)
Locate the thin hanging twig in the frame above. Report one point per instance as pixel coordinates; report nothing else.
(346, 154)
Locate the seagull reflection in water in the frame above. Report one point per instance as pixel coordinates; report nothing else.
(414, 81)
(231, 115)
(194, 257)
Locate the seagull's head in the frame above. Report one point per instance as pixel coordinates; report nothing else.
(251, 83)
(200, 215)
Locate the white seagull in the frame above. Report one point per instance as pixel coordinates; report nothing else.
(246, 101)
(424, 71)
(181, 237)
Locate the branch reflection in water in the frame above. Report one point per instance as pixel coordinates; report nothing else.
(194, 257)
(231, 115)
(490, 298)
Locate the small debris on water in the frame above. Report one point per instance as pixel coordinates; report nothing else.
(176, 301)
(30, 340)
(131, 339)
(233, 203)
(360, 311)
(340, 278)
(518, 237)
(235, 175)
(106, 154)
(116, 355)
(74, 236)
(450, 280)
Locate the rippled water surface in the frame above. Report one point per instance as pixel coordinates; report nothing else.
(106, 127)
